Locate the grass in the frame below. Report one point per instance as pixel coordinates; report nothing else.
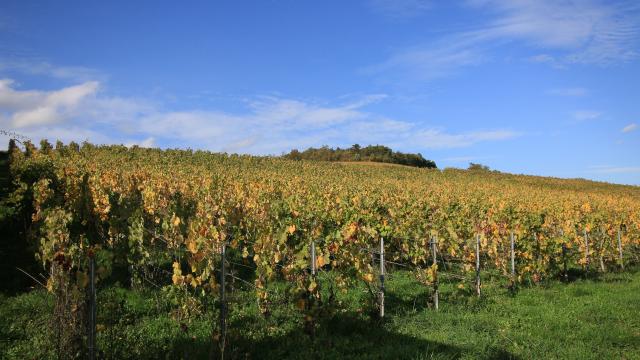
(585, 319)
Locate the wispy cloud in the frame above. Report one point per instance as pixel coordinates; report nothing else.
(558, 33)
(547, 60)
(273, 125)
(588, 31)
(400, 9)
(267, 125)
(44, 68)
(430, 62)
(629, 128)
(584, 115)
(569, 92)
(432, 138)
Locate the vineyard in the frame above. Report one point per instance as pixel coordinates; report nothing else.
(297, 235)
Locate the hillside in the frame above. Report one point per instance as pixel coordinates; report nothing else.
(302, 242)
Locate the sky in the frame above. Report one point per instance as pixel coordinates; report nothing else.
(537, 87)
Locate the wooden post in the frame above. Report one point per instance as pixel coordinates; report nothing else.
(620, 250)
(381, 294)
(92, 307)
(536, 271)
(586, 250)
(309, 323)
(313, 258)
(223, 301)
(601, 257)
(435, 274)
(513, 260)
(565, 274)
(478, 285)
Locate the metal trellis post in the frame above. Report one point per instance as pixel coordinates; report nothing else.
(92, 305)
(435, 275)
(620, 250)
(478, 285)
(381, 294)
(586, 250)
(513, 260)
(223, 301)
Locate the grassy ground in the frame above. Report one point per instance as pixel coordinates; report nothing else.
(585, 319)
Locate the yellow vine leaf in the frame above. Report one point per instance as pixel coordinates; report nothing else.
(177, 274)
(312, 286)
(192, 246)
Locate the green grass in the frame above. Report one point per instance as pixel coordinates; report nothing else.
(581, 320)
(585, 319)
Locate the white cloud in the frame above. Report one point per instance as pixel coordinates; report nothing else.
(146, 143)
(11, 99)
(583, 115)
(569, 92)
(629, 128)
(297, 113)
(38, 116)
(282, 124)
(268, 125)
(72, 95)
(35, 108)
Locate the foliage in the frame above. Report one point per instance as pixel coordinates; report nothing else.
(165, 216)
(477, 167)
(15, 215)
(374, 153)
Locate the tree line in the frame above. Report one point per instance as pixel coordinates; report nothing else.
(374, 153)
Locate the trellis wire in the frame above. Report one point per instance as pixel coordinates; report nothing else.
(382, 263)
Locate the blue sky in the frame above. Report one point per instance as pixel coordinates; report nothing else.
(537, 87)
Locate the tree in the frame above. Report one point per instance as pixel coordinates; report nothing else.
(478, 167)
(294, 155)
(375, 153)
(45, 146)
